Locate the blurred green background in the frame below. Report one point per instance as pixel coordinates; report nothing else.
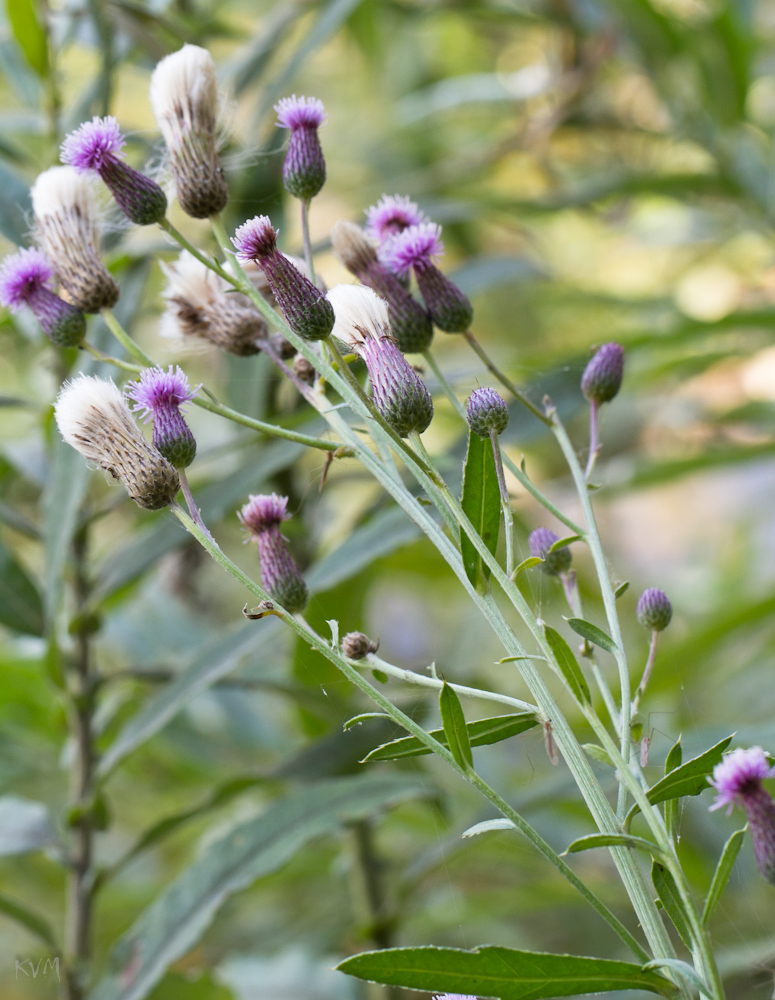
(602, 170)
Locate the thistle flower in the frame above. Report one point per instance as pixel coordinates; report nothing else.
(305, 307)
(400, 395)
(415, 249)
(202, 305)
(184, 98)
(159, 395)
(356, 645)
(738, 781)
(24, 279)
(95, 145)
(67, 227)
(262, 516)
(93, 417)
(304, 170)
(392, 214)
(554, 563)
(409, 322)
(602, 377)
(487, 411)
(654, 609)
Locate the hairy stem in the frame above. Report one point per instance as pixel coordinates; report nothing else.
(305, 237)
(508, 517)
(503, 379)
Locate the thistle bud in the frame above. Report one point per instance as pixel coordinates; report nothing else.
(159, 395)
(184, 98)
(202, 305)
(67, 228)
(400, 395)
(357, 645)
(304, 170)
(415, 249)
(486, 412)
(654, 609)
(391, 215)
(303, 369)
(409, 322)
(602, 377)
(94, 418)
(24, 281)
(262, 516)
(738, 781)
(95, 145)
(305, 307)
(554, 563)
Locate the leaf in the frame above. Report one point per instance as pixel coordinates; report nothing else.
(526, 564)
(28, 33)
(597, 753)
(488, 826)
(683, 969)
(21, 607)
(562, 542)
(672, 806)
(621, 589)
(490, 971)
(176, 920)
(723, 870)
(670, 898)
(454, 724)
(689, 778)
(611, 840)
(592, 634)
(568, 665)
(358, 719)
(27, 918)
(481, 501)
(481, 733)
(25, 826)
(674, 756)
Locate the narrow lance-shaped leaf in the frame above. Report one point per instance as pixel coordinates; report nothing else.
(28, 33)
(481, 733)
(568, 664)
(612, 840)
(723, 870)
(481, 501)
(34, 923)
(592, 634)
(673, 806)
(454, 724)
(21, 607)
(671, 900)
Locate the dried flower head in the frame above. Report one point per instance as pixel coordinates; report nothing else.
(356, 645)
(24, 280)
(487, 411)
(392, 214)
(93, 417)
(184, 98)
(159, 395)
(654, 609)
(304, 170)
(96, 146)
(409, 321)
(554, 563)
(415, 249)
(202, 305)
(67, 227)
(602, 377)
(738, 782)
(262, 516)
(362, 323)
(305, 307)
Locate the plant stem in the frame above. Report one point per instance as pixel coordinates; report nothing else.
(504, 379)
(646, 673)
(508, 517)
(594, 444)
(191, 503)
(305, 236)
(124, 339)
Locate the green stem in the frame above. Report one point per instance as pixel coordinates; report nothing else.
(508, 517)
(503, 379)
(305, 237)
(124, 339)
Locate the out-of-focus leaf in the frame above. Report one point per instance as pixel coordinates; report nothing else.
(21, 607)
(592, 634)
(597, 753)
(176, 920)
(481, 501)
(568, 664)
(488, 826)
(176, 986)
(483, 273)
(249, 67)
(475, 88)
(454, 724)
(34, 923)
(15, 205)
(671, 900)
(501, 972)
(62, 499)
(482, 732)
(28, 33)
(723, 870)
(25, 826)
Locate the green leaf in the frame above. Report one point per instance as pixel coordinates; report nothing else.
(64, 492)
(568, 665)
(500, 972)
(683, 969)
(670, 898)
(488, 826)
(674, 756)
(481, 501)
(25, 826)
(597, 752)
(723, 871)
(689, 778)
(526, 564)
(592, 634)
(21, 607)
(562, 542)
(454, 724)
(621, 589)
(34, 923)
(673, 806)
(28, 33)
(593, 840)
(481, 733)
(363, 717)
(176, 920)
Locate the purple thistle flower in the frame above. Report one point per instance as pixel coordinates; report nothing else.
(159, 395)
(738, 781)
(392, 214)
(410, 323)
(602, 377)
(487, 411)
(24, 278)
(262, 516)
(94, 146)
(400, 395)
(654, 609)
(554, 563)
(304, 170)
(305, 307)
(415, 249)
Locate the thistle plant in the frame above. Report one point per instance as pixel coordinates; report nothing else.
(376, 427)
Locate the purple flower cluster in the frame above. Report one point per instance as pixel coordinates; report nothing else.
(738, 782)
(304, 170)
(554, 563)
(654, 609)
(416, 247)
(24, 280)
(262, 516)
(159, 395)
(392, 214)
(93, 144)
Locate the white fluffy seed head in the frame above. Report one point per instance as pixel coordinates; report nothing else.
(360, 314)
(63, 190)
(87, 399)
(189, 279)
(184, 92)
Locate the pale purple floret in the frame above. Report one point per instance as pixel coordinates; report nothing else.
(392, 214)
(262, 512)
(262, 516)
(92, 143)
(739, 776)
(21, 276)
(415, 247)
(300, 112)
(540, 543)
(159, 395)
(255, 239)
